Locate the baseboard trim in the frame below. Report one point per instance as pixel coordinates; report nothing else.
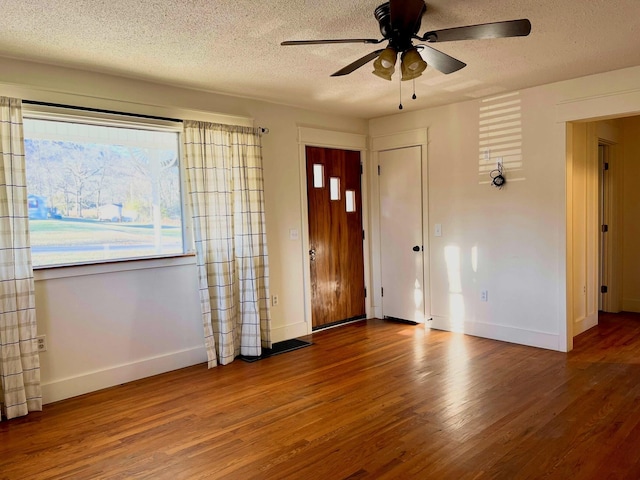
(584, 324)
(97, 380)
(521, 336)
(631, 305)
(288, 332)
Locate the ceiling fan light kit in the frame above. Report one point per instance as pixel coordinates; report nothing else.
(399, 22)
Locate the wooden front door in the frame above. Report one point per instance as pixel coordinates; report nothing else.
(335, 235)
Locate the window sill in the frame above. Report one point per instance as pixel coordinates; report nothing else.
(64, 271)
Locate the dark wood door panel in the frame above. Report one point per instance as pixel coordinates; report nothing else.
(335, 237)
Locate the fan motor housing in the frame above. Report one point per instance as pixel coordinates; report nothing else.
(383, 16)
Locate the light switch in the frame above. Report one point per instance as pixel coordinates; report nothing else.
(438, 230)
(293, 234)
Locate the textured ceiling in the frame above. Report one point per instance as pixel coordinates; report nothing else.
(233, 46)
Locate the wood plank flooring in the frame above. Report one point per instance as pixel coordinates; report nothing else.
(370, 400)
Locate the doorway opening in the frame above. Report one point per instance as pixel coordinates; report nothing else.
(601, 232)
(401, 234)
(336, 236)
(401, 269)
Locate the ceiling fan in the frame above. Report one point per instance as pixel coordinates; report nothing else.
(399, 24)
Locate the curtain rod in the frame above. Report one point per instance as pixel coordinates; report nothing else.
(99, 110)
(263, 130)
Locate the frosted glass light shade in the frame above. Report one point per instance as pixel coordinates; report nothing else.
(384, 65)
(412, 64)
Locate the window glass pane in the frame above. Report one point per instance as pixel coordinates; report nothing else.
(350, 199)
(334, 187)
(318, 175)
(100, 192)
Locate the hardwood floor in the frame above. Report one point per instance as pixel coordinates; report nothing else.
(368, 400)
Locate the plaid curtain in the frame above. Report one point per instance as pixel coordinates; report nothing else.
(19, 362)
(225, 184)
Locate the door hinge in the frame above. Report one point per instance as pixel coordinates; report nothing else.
(605, 228)
(378, 169)
(606, 165)
(604, 289)
(363, 234)
(381, 292)
(361, 170)
(365, 292)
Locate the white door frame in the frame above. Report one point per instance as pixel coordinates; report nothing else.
(315, 137)
(411, 138)
(612, 302)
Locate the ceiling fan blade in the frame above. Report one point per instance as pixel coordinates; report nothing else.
(510, 28)
(406, 15)
(357, 64)
(440, 61)
(344, 40)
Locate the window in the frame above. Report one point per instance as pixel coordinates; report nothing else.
(334, 188)
(101, 189)
(318, 175)
(350, 196)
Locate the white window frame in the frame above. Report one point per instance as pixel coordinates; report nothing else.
(109, 119)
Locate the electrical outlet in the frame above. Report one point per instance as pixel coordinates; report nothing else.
(42, 343)
(484, 296)
(275, 300)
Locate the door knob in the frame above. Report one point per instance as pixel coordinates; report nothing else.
(416, 248)
(312, 253)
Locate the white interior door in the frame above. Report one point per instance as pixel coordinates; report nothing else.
(401, 242)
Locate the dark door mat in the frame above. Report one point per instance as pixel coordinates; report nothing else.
(400, 320)
(278, 348)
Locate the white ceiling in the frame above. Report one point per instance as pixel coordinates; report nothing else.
(233, 46)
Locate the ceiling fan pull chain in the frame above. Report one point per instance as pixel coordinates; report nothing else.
(400, 86)
(414, 90)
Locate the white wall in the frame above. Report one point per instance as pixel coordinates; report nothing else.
(519, 232)
(105, 328)
(109, 327)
